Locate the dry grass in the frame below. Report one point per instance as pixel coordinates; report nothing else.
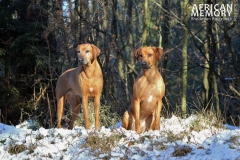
(206, 121)
(171, 137)
(18, 148)
(100, 144)
(234, 142)
(15, 149)
(107, 117)
(160, 146)
(182, 151)
(31, 148)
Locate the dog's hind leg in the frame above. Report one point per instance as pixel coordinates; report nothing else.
(75, 104)
(128, 121)
(150, 123)
(60, 106)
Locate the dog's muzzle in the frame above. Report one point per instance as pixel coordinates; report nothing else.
(82, 61)
(145, 65)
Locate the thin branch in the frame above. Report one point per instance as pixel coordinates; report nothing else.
(234, 90)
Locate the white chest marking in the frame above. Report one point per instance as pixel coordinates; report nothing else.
(150, 98)
(90, 89)
(159, 86)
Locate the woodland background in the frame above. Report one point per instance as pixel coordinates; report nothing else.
(200, 66)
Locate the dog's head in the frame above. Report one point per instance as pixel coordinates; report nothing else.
(87, 53)
(148, 56)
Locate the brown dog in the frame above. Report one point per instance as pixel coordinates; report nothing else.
(77, 85)
(148, 90)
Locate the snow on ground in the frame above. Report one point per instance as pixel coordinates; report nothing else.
(192, 138)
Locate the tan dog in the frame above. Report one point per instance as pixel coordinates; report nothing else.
(148, 90)
(77, 85)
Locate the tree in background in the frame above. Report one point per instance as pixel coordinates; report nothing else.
(184, 7)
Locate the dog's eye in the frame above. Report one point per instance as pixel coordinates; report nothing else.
(87, 51)
(140, 55)
(149, 55)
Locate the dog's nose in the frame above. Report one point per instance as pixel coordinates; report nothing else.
(80, 60)
(144, 63)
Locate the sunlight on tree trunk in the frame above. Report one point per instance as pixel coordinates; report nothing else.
(184, 7)
(146, 23)
(205, 92)
(160, 28)
(215, 87)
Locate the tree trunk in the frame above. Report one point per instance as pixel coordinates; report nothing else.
(129, 46)
(205, 92)
(77, 21)
(108, 90)
(165, 30)
(95, 21)
(84, 30)
(214, 78)
(160, 27)
(208, 68)
(145, 24)
(184, 7)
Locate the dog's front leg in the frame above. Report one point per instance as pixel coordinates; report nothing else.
(96, 112)
(136, 106)
(156, 125)
(85, 111)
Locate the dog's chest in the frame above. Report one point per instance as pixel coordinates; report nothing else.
(90, 89)
(149, 89)
(149, 96)
(149, 93)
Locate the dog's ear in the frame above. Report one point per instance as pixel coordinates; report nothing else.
(96, 51)
(76, 49)
(158, 52)
(136, 53)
